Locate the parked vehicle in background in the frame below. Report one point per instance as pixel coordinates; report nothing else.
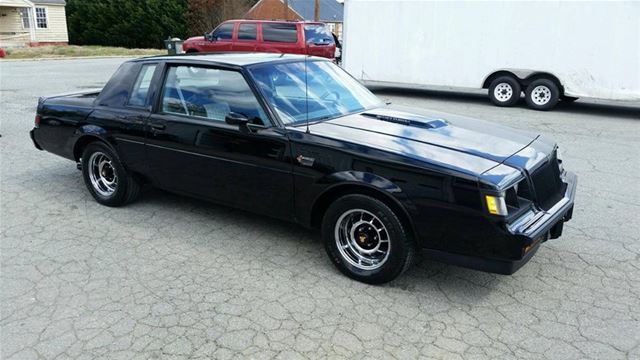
(287, 37)
(550, 51)
(299, 139)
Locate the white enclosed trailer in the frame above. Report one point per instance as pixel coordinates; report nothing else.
(550, 51)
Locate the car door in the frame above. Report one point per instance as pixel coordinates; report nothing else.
(247, 37)
(222, 38)
(192, 150)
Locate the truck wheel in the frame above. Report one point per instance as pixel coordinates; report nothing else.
(105, 177)
(505, 91)
(542, 94)
(365, 239)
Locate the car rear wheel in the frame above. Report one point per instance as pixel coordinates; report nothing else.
(366, 240)
(106, 178)
(542, 94)
(505, 91)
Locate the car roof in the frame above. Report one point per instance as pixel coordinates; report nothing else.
(310, 22)
(233, 58)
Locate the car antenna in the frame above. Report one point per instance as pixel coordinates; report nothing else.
(306, 89)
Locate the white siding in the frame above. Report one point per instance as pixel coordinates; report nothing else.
(10, 21)
(11, 31)
(57, 25)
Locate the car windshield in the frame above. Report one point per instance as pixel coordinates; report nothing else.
(331, 91)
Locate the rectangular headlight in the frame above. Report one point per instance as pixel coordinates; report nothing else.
(496, 205)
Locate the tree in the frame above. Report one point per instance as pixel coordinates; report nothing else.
(204, 15)
(127, 23)
(146, 23)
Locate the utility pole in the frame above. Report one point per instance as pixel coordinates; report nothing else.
(286, 9)
(316, 11)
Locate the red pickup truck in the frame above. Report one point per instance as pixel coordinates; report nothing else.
(291, 37)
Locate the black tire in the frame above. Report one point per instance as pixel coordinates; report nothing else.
(126, 188)
(542, 94)
(505, 91)
(401, 248)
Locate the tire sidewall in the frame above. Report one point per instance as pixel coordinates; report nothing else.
(398, 253)
(515, 86)
(555, 94)
(119, 196)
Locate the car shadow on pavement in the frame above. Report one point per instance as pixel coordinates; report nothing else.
(623, 109)
(425, 275)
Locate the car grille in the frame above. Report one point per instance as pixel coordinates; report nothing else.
(547, 183)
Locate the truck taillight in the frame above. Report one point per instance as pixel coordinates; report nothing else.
(37, 120)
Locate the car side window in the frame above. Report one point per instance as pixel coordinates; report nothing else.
(210, 94)
(247, 31)
(140, 90)
(223, 32)
(277, 32)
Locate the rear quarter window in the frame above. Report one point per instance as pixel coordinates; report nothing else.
(140, 91)
(284, 33)
(318, 35)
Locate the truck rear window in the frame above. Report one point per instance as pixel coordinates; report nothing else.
(317, 35)
(286, 33)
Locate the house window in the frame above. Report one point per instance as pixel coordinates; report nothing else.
(24, 15)
(41, 18)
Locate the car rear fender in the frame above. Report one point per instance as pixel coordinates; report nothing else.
(89, 133)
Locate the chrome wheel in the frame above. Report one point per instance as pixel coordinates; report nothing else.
(362, 239)
(541, 95)
(102, 174)
(503, 92)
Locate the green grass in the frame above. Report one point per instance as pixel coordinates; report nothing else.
(77, 51)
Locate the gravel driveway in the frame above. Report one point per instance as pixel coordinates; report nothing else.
(171, 277)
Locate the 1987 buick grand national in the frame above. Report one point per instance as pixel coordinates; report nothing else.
(299, 139)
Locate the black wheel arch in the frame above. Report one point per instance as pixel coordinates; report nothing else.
(524, 81)
(489, 79)
(86, 139)
(543, 75)
(332, 193)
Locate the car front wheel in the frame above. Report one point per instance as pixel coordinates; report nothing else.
(106, 178)
(366, 240)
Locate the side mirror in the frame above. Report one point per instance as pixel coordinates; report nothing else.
(209, 36)
(236, 119)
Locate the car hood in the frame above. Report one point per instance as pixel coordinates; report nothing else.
(461, 143)
(195, 39)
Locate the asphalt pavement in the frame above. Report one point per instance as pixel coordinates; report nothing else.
(170, 277)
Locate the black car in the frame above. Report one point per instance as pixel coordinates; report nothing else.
(297, 138)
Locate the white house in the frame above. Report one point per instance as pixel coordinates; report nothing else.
(32, 23)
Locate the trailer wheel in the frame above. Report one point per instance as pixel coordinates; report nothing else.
(542, 94)
(504, 91)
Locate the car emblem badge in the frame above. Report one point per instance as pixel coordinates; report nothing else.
(305, 161)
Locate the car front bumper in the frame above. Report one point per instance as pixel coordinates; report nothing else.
(529, 230)
(535, 225)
